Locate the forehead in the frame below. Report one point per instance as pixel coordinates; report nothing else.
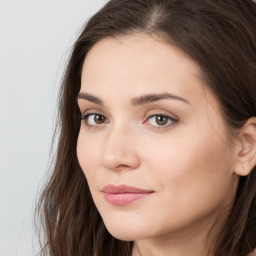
(139, 64)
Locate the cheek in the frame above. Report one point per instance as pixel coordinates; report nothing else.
(196, 149)
(182, 155)
(189, 168)
(88, 154)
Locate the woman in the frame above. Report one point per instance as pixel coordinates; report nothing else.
(157, 145)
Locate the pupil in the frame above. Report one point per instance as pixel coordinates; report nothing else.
(161, 120)
(99, 119)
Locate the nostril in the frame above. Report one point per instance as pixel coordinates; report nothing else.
(123, 166)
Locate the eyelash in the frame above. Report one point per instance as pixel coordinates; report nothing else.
(171, 120)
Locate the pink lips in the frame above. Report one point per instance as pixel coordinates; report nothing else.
(123, 194)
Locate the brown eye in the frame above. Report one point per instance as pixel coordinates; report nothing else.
(99, 119)
(94, 119)
(161, 120)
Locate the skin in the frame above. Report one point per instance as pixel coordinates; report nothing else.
(189, 164)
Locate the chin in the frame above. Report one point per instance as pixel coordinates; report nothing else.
(125, 232)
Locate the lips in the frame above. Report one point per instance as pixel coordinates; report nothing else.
(124, 194)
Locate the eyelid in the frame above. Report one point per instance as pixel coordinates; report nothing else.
(87, 111)
(162, 112)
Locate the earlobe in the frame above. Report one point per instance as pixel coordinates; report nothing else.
(246, 154)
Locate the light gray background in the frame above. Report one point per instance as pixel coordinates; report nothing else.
(35, 39)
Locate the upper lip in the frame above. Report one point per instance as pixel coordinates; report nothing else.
(112, 189)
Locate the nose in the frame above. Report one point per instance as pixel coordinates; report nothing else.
(120, 151)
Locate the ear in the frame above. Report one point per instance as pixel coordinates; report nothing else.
(246, 153)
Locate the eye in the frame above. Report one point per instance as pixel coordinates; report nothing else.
(161, 120)
(94, 119)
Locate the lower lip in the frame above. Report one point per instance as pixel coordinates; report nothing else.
(124, 198)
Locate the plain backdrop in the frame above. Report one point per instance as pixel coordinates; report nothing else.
(35, 40)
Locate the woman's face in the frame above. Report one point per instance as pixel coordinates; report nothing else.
(151, 123)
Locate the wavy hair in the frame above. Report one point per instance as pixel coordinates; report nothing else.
(220, 36)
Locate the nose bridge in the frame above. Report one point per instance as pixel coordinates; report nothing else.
(119, 151)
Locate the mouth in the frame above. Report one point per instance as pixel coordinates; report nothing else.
(124, 194)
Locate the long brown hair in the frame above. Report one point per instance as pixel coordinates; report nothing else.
(220, 36)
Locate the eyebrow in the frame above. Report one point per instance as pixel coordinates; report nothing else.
(144, 99)
(155, 97)
(91, 98)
